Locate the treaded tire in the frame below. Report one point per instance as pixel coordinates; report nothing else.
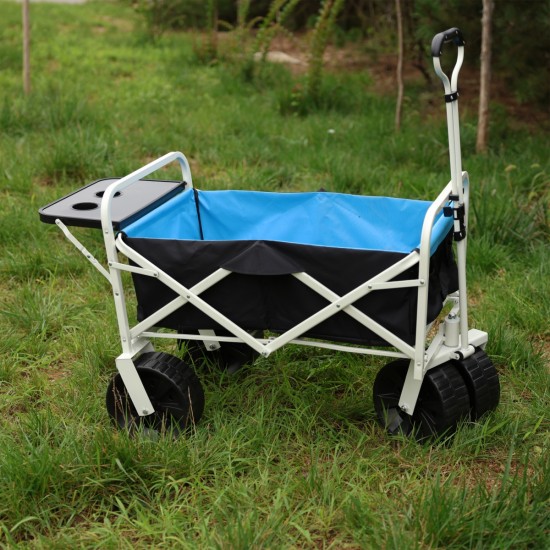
(482, 381)
(173, 388)
(442, 402)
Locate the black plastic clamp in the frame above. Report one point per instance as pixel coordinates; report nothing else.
(460, 227)
(458, 214)
(449, 98)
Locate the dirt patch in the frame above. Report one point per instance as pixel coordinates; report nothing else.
(354, 57)
(123, 25)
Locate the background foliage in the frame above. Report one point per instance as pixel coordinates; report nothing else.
(521, 49)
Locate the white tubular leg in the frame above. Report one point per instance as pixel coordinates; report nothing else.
(134, 386)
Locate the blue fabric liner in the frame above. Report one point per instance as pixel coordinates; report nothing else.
(318, 219)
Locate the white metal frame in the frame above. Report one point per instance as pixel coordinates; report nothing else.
(448, 344)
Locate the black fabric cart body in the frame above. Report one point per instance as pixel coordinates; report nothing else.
(281, 251)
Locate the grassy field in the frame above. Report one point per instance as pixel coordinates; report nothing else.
(288, 454)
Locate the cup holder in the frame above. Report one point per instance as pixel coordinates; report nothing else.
(101, 193)
(85, 205)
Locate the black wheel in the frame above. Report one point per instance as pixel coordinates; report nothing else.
(443, 400)
(482, 381)
(173, 388)
(229, 357)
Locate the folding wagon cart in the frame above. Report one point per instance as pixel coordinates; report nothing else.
(238, 274)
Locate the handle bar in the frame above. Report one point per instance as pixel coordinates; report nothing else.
(452, 35)
(455, 36)
(106, 201)
(459, 181)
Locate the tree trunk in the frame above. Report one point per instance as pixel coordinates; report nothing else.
(26, 49)
(399, 105)
(485, 77)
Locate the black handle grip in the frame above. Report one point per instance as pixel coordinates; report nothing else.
(452, 35)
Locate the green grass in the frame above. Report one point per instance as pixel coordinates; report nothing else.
(288, 454)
